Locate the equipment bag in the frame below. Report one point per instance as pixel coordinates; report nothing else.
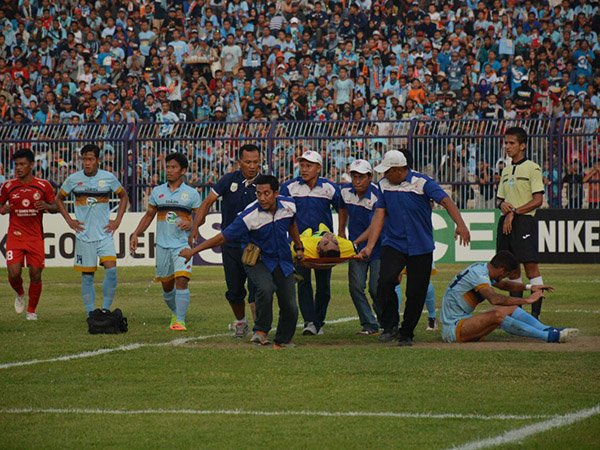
(103, 321)
(251, 255)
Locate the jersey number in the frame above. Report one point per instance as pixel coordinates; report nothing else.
(9, 255)
(459, 277)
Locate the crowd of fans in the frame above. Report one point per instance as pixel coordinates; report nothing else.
(230, 60)
(127, 61)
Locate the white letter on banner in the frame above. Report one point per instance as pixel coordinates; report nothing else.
(465, 254)
(439, 223)
(547, 236)
(590, 236)
(573, 241)
(207, 231)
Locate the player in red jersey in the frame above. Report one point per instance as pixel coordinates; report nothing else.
(25, 198)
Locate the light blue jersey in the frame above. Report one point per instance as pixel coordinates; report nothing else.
(173, 206)
(91, 202)
(462, 297)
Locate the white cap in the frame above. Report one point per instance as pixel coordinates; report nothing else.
(312, 157)
(294, 20)
(393, 158)
(361, 166)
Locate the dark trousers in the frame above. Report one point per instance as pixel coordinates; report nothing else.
(267, 284)
(235, 276)
(418, 272)
(314, 308)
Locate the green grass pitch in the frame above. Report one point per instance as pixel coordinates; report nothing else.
(338, 390)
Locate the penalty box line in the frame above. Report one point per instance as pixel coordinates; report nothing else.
(518, 434)
(242, 412)
(135, 346)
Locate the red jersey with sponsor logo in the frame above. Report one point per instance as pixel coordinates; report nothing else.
(25, 222)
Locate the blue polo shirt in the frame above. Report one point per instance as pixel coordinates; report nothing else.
(235, 193)
(360, 212)
(313, 205)
(407, 227)
(268, 231)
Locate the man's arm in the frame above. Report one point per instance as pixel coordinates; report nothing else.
(498, 299)
(201, 214)
(74, 224)
(512, 286)
(215, 241)
(123, 202)
(295, 235)
(145, 222)
(374, 232)
(342, 222)
(454, 213)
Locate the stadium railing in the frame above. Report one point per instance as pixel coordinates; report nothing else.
(454, 152)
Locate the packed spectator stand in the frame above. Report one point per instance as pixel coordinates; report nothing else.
(122, 63)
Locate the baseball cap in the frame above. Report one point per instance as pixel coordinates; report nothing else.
(312, 157)
(392, 158)
(361, 166)
(294, 20)
(219, 109)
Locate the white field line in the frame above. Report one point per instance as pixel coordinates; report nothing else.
(135, 346)
(519, 434)
(241, 412)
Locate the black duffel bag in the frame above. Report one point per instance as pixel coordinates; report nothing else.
(103, 321)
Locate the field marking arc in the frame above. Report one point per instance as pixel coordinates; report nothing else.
(242, 412)
(134, 346)
(518, 434)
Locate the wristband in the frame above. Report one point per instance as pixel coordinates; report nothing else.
(527, 287)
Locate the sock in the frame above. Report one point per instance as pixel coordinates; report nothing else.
(516, 294)
(17, 285)
(536, 308)
(35, 290)
(109, 287)
(518, 328)
(242, 320)
(398, 290)
(524, 317)
(430, 302)
(169, 298)
(182, 300)
(87, 291)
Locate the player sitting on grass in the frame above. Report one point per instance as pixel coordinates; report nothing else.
(474, 285)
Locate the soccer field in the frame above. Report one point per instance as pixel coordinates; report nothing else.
(150, 387)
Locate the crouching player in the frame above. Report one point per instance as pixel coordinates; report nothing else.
(25, 198)
(474, 285)
(174, 202)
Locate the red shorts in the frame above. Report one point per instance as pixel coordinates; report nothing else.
(17, 252)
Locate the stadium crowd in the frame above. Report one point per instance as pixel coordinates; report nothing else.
(126, 61)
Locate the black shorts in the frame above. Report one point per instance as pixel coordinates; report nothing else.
(522, 241)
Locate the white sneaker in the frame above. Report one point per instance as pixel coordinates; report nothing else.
(19, 304)
(260, 338)
(31, 316)
(309, 329)
(321, 331)
(567, 334)
(240, 328)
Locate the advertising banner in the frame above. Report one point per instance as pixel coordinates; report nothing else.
(565, 236)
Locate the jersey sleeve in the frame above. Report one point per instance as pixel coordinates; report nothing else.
(537, 183)
(48, 193)
(283, 190)
(434, 191)
(380, 204)
(3, 194)
(237, 230)
(115, 185)
(153, 200)
(500, 193)
(67, 186)
(196, 200)
(222, 185)
(335, 200)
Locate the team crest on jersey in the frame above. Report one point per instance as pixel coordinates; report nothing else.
(101, 183)
(25, 202)
(91, 201)
(161, 195)
(234, 187)
(184, 196)
(36, 196)
(171, 217)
